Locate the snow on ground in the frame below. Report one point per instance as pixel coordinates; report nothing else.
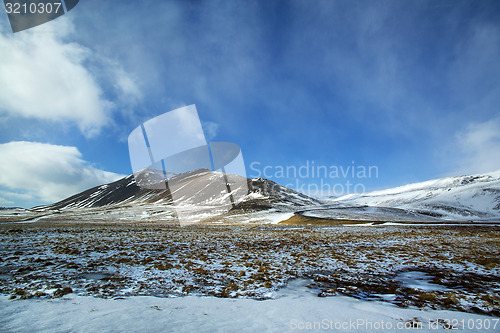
(39, 260)
(269, 216)
(294, 308)
(368, 213)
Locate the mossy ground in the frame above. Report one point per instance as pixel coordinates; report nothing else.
(110, 260)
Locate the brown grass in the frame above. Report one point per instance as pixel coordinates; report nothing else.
(306, 220)
(248, 260)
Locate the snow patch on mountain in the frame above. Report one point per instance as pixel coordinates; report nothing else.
(474, 197)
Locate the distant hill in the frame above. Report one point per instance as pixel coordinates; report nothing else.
(463, 198)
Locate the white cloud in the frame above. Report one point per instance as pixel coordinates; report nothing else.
(47, 172)
(125, 85)
(17, 196)
(5, 202)
(45, 77)
(210, 129)
(480, 145)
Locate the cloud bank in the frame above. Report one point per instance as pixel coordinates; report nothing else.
(46, 172)
(45, 77)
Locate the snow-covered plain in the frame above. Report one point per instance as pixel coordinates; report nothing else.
(114, 259)
(436, 267)
(292, 309)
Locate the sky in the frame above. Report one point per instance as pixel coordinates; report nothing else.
(408, 88)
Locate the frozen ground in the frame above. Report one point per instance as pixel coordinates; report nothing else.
(294, 308)
(128, 266)
(435, 267)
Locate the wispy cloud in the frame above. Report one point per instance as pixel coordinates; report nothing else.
(210, 129)
(46, 172)
(479, 145)
(181, 52)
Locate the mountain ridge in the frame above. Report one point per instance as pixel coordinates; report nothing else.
(466, 197)
(126, 191)
(469, 198)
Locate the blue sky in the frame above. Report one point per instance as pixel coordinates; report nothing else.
(411, 87)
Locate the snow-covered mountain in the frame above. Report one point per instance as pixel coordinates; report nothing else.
(463, 198)
(466, 198)
(258, 193)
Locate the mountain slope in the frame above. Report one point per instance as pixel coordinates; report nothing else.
(462, 198)
(258, 192)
